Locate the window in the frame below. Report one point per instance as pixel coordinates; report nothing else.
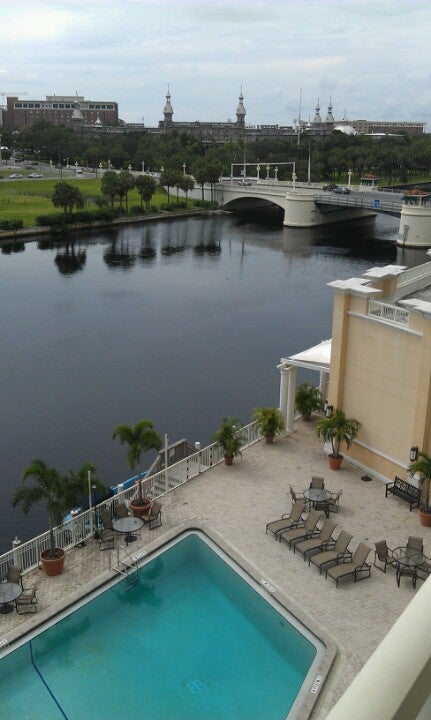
(109, 107)
(18, 105)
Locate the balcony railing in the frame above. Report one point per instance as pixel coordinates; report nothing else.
(389, 313)
(83, 524)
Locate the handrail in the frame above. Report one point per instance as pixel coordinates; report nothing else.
(81, 526)
(388, 312)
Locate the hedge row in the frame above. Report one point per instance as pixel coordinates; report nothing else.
(11, 224)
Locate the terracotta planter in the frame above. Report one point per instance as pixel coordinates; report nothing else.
(335, 462)
(53, 566)
(228, 460)
(140, 507)
(424, 518)
(269, 439)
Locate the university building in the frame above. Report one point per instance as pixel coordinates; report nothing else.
(63, 110)
(102, 117)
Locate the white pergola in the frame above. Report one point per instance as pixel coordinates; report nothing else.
(315, 358)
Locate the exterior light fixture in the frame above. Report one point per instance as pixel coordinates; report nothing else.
(328, 410)
(414, 453)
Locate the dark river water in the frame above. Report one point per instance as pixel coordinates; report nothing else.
(182, 321)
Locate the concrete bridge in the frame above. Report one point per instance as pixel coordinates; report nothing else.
(307, 205)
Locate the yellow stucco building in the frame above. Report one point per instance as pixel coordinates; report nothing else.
(378, 365)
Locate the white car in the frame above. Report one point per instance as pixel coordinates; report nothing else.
(14, 176)
(35, 175)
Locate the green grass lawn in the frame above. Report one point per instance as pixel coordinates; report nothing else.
(26, 199)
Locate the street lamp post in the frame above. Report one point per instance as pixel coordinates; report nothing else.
(276, 173)
(258, 172)
(349, 175)
(184, 169)
(267, 172)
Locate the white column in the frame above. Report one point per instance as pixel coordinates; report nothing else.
(323, 384)
(284, 373)
(291, 399)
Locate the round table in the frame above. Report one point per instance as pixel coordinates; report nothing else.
(127, 526)
(8, 593)
(408, 560)
(315, 495)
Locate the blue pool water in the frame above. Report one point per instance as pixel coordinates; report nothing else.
(191, 640)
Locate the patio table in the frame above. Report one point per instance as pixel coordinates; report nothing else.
(8, 593)
(127, 526)
(408, 560)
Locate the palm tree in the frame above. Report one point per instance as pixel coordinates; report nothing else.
(337, 428)
(140, 439)
(422, 466)
(60, 492)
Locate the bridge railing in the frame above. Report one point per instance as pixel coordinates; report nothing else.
(82, 525)
(414, 274)
(360, 202)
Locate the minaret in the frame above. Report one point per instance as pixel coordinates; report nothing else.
(240, 111)
(329, 117)
(167, 110)
(317, 118)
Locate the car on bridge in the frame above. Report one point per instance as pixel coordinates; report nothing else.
(342, 190)
(34, 175)
(329, 186)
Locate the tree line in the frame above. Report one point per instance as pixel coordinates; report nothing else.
(401, 158)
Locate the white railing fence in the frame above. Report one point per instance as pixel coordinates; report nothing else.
(83, 525)
(418, 273)
(390, 313)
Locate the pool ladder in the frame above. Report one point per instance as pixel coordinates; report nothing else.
(127, 566)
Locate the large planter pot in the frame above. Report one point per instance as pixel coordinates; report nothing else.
(53, 565)
(269, 439)
(140, 507)
(228, 459)
(335, 461)
(424, 518)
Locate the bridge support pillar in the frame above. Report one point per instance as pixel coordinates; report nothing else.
(415, 226)
(300, 210)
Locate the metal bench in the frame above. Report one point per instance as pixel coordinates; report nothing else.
(405, 491)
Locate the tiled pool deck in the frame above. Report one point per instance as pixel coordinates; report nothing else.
(237, 502)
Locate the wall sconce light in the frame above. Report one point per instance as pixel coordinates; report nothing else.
(414, 453)
(328, 411)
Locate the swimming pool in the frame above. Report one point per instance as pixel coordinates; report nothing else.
(192, 639)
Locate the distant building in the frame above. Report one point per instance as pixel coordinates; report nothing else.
(360, 127)
(102, 117)
(69, 111)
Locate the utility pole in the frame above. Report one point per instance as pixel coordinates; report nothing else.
(299, 116)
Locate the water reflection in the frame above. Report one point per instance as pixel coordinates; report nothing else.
(14, 246)
(71, 260)
(119, 256)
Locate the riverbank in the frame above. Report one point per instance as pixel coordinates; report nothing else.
(33, 233)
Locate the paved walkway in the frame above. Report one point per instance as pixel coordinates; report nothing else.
(238, 501)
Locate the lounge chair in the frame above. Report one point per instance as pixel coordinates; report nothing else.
(288, 521)
(357, 566)
(330, 505)
(306, 531)
(121, 510)
(335, 554)
(320, 542)
(154, 516)
(14, 574)
(383, 555)
(27, 601)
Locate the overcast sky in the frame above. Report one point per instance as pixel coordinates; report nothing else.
(372, 56)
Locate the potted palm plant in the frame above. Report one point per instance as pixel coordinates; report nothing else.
(140, 438)
(229, 437)
(270, 421)
(308, 399)
(337, 428)
(422, 468)
(60, 493)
